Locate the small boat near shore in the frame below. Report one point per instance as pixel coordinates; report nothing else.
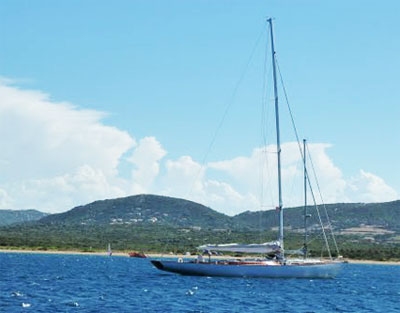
(134, 254)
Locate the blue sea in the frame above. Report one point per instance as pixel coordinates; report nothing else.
(90, 283)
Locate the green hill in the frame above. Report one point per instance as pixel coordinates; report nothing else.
(342, 216)
(8, 217)
(159, 224)
(143, 210)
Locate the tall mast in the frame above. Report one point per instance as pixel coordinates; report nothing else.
(278, 140)
(305, 198)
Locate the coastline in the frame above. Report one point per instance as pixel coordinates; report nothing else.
(160, 255)
(373, 262)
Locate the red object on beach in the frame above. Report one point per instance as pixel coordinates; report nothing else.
(137, 255)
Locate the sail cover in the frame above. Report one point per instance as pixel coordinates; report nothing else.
(267, 247)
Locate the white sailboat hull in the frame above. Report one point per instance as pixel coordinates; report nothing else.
(257, 270)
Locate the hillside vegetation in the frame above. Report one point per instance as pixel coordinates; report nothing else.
(161, 224)
(8, 217)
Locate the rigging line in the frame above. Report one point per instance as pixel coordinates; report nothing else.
(228, 106)
(319, 214)
(302, 155)
(290, 110)
(324, 206)
(292, 118)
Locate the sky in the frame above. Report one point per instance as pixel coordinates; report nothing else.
(102, 99)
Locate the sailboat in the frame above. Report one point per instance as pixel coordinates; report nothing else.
(275, 265)
(109, 251)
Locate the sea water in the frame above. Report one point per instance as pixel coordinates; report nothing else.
(89, 283)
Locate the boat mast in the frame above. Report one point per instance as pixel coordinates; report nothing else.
(278, 140)
(305, 200)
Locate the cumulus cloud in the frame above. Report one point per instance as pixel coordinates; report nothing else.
(184, 176)
(53, 151)
(252, 180)
(188, 179)
(59, 193)
(38, 134)
(146, 161)
(55, 156)
(367, 187)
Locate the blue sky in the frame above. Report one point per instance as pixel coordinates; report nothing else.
(101, 100)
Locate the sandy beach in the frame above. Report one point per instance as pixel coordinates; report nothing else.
(373, 262)
(160, 255)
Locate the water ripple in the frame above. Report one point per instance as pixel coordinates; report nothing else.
(71, 283)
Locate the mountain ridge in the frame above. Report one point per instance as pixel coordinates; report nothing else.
(153, 209)
(177, 212)
(9, 217)
(159, 223)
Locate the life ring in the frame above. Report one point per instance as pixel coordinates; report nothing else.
(180, 260)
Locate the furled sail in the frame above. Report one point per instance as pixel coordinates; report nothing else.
(267, 247)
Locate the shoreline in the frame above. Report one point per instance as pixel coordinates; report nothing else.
(161, 255)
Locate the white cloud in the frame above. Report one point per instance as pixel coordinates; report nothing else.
(55, 156)
(184, 177)
(327, 176)
(5, 200)
(146, 160)
(53, 153)
(367, 187)
(244, 186)
(187, 179)
(38, 134)
(60, 193)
